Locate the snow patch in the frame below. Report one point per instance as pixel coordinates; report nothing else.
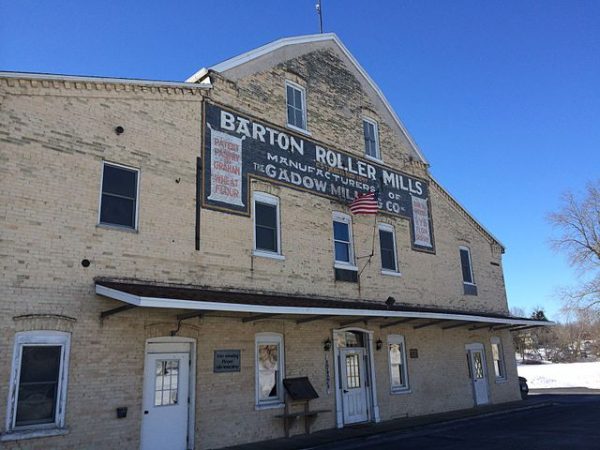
(540, 376)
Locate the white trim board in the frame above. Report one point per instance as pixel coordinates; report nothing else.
(158, 302)
(272, 46)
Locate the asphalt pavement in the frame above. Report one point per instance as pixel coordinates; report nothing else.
(566, 419)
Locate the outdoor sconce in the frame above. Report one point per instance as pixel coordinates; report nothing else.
(390, 301)
(119, 130)
(327, 345)
(378, 344)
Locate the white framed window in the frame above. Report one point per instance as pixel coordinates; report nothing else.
(498, 358)
(371, 137)
(119, 196)
(465, 263)
(296, 106)
(38, 382)
(267, 229)
(269, 361)
(342, 241)
(387, 249)
(397, 362)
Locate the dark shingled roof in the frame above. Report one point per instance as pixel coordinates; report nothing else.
(201, 294)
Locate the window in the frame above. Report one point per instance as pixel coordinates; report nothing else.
(371, 138)
(397, 356)
(38, 385)
(296, 106)
(387, 246)
(266, 225)
(119, 194)
(469, 287)
(465, 262)
(342, 240)
(269, 369)
(498, 358)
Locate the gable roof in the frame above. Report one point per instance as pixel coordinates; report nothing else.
(306, 39)
(200, 77)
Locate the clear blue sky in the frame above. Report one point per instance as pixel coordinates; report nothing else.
(503, 97)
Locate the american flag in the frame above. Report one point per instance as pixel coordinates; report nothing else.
(365, 204)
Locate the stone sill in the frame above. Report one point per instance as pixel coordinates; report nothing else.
(18, 435)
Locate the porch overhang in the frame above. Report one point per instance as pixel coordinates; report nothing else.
(257, 306)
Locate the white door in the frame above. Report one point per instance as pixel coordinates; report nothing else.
(165, 402)
(478, 372)
(354, 391)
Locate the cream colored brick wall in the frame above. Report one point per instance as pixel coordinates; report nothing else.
(53, 138)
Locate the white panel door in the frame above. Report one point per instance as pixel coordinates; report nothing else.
(165, 402)
(354, 390)
(478, 371)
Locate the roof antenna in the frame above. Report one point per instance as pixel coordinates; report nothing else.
(320, 13)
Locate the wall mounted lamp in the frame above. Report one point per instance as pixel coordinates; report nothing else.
(327, 345)
(378, 344)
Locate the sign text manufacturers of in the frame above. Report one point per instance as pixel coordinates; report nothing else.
(236, 148)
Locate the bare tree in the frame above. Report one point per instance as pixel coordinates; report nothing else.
(578, 225)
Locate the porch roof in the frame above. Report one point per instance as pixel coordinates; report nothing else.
(256, 306)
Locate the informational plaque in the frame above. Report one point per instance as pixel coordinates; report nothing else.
(227, 361)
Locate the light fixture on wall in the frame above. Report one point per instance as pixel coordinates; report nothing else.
(378, 344)
(327, 345)
(390, 301)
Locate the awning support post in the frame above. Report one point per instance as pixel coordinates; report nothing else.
(113, 311)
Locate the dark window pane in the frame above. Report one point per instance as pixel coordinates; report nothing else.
(117, 211)
(38, 383)
(290, 95)
(119, 181)
(36, 404)
(386, 244)
(342, 252)
(299, 119)
(388, 260)
(291, 115)
(266, 215)
(298, 98)
(266, 239)
(340, 231)
(40, 363)
(386, 239)
(466, 266)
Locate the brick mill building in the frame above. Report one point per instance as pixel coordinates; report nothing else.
(174, 253)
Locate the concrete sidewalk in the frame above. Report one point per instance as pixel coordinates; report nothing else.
(405, 424)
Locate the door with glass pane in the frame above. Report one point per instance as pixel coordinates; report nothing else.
(354, 390)
(165, 403)
(478, 373)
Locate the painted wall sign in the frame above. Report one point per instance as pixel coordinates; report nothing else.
(226, 361)
(237, 147)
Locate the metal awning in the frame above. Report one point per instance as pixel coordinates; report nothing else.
(250, 307)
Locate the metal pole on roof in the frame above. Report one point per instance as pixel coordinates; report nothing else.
(320, 13)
